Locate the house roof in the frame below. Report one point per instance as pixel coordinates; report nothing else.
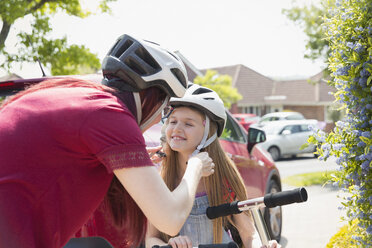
(252, 85)
(258, 89)
(305, 92)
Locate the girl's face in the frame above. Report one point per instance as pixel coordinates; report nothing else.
(185, 130)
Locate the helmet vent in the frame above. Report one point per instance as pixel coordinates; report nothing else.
(123, 48)
(135, 66)
(145, 56)
(208, 98)
(201, 90)
(179, 75)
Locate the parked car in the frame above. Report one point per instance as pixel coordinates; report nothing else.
(284, 138)
(256, 166)
(280, 116)
(246, 120)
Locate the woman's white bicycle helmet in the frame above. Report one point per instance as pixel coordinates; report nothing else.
(142, 64)
(209, 103)
(135, 65)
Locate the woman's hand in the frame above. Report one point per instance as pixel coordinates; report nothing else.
(202, 159)
(154, 155)
(180, 242)
(272, 244)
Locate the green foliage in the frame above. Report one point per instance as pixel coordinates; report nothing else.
(344, 237)
(349, 32)
(310, 18)
(57, 54)
(222, 84)
(226, 134)
(307, 179)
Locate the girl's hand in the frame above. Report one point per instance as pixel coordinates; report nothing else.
(180, 242)
(272, 244)
(154, 155)
(203, 159)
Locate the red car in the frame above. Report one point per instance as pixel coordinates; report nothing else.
(255, 165)
(246, 120)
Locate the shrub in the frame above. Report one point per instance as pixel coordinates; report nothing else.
(344, 237)
(349, 31)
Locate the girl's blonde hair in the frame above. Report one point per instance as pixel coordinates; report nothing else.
(223, 186)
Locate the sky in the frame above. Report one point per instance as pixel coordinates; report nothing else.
(209, 33)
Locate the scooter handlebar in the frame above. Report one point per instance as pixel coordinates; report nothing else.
(285, 197)
(223, 210)
(227, 245)
(269, 200)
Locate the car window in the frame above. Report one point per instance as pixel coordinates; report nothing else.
(232, 131)
(265, 119)
(305, 127)
(294, 117)
(292, 128)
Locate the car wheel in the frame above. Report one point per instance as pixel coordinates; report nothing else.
(274, 152)
(273, 216)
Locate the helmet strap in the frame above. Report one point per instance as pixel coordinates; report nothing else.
(137, 100)
(204, 142)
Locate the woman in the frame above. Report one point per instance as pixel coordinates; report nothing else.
(66, 144)
(194, 124)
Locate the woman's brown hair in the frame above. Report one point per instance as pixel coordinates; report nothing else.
(226, 177)
(123, 209)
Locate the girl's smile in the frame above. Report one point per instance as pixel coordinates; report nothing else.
(185, 130)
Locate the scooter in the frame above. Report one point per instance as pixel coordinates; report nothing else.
(253, 205)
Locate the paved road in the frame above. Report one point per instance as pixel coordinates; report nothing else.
(304, 164)
(313, 223)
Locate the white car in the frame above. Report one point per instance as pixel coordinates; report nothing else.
(280, 116)
(284, 138)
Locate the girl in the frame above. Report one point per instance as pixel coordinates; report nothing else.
(193, 125)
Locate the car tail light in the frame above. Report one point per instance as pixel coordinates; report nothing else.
(7, 85)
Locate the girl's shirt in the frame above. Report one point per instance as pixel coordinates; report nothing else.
(198, 227)
(58, 150)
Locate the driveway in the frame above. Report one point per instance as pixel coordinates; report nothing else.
(310, 224)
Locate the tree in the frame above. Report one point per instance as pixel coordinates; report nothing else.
(222, 84)
(55, 53)
(348, 32)
(311, 19)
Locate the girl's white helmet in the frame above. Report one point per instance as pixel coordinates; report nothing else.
(135, 65)
(207, 101)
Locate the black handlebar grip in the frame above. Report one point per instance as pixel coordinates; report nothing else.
(223, 210)
(285, 197)
(161, 246)
(227, 245)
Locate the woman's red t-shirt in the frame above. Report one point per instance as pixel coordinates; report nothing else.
(58, 150)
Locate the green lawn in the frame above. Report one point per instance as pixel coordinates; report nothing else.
(307, 179)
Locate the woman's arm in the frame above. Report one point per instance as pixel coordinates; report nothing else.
(153, 237)
(166, 210)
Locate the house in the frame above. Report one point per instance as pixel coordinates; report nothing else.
(310, 97)
(253, 86)
(262, 95)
